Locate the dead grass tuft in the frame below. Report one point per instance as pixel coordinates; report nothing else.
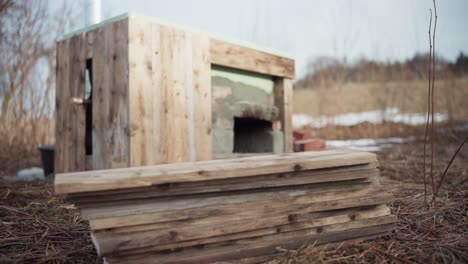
(38, 227)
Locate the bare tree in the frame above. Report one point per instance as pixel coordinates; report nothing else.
(28, 31)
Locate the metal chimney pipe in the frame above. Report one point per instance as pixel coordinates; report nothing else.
(92, 11)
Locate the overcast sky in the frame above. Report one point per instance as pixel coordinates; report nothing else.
(304, 29)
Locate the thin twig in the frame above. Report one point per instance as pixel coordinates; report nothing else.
(432, 99)
(428, 108)
(447, 168)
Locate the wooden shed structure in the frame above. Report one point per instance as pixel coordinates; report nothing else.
(133, 91)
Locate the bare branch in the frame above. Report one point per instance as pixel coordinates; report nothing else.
(428, 107)
(432, 100)
(447, 168)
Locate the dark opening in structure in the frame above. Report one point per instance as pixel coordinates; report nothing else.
(252, 135)
(89, 108)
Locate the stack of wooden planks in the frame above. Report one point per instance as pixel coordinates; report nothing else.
(244, 209)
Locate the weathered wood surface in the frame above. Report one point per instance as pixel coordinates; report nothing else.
(283, 94)
(151, 98)
(170, 95)
(102, 180)
(255, 246)
(111, 126)
(244, 58)
(70, 117)
(238, 210)
(244, 183)
(192, 235)
(228, 210)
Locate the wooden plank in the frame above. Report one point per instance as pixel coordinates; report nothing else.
(306, 221)
(111, 125)
(70, 128)
(264, 256)
(201, 100)
(206, 170)
(77, 156)
(151, 205)
(267, 244)
(175, 77)
(170, 99)
(242, 210)
(145, 100)
(283, 92)
(285, 216)
(191, 235)
(61, 107)
(264, 181)
(235, 56)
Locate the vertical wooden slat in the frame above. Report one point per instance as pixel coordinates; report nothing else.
(283, 101)
(174, 112)
(111, 140)
(144, 70)
(170, 94)
(70, 117)
(60, 106)
(78, 112)
(202, 123)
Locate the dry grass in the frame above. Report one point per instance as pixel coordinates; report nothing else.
(408, 96)
(38, 227)
(20, 140)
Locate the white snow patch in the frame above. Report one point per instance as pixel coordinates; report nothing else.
(31, 174)
(368, 144)
(375, 117)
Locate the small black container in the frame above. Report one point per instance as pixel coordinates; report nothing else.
(47, 156)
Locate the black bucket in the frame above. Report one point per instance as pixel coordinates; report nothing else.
(47, 156)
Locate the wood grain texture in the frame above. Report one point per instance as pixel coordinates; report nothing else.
(70, 118)
(111, 127)
(235, 56)
(263, 181)
(170, 95)
(240, 210)
(310, 194)
(283, 94)
(268, 244)
(101, 180)
(61, 94)
(145, 93)
(174, 118)
(201, 102)
(227, 231)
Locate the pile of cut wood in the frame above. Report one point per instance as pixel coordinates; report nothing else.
(228, 210)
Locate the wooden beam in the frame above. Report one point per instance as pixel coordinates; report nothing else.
(239, 57)
(283, 95)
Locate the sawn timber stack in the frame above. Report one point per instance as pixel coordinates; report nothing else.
(228, 210)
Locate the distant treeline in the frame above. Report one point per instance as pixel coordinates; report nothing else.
(325, 71)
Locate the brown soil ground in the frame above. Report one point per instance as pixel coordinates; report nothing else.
(37, 226)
